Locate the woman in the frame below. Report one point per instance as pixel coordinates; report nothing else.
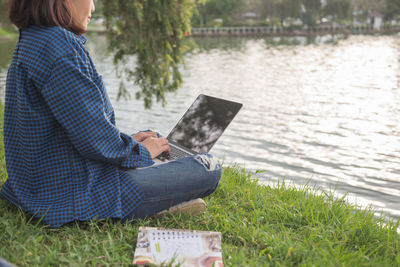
(66, 160)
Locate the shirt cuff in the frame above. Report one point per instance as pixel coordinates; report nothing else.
(139, 158)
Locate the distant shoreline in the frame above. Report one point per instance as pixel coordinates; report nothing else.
(240, 31)
(281, 31)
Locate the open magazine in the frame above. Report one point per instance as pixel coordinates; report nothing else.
(183, 247)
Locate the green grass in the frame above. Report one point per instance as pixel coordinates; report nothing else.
(260, 225)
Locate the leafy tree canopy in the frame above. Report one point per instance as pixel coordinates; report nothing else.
(154, 31)
(222, 9)
(340, 9)
(286, 8)
(3, 12)
(392, 8)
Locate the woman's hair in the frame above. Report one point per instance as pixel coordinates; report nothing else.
(24, 13)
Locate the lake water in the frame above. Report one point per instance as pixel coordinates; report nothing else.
(322, 110)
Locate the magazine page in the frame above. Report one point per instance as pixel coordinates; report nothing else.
(185, 247)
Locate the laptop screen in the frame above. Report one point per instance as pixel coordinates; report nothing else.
(204, 122)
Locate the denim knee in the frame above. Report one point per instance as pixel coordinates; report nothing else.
(212, 166)
(208, 161)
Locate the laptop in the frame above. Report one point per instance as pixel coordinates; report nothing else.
(200, 127)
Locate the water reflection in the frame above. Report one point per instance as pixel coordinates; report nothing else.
(237, 43)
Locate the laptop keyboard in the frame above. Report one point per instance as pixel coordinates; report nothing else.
(177, 153)
(174, 154)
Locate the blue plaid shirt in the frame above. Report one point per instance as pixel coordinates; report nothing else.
(64, 154)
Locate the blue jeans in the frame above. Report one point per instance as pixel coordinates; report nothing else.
(169, 184)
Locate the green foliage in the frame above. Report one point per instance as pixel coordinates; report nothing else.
(99, 8)
(213, 9)
(154, 31)
(339, 9)
(292, 9)
(392, 8)
(364, 7)
(3, 12)
(308, 19)
(286, 8)
(312, 4)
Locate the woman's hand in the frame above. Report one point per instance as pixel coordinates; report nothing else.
(141, 136)
(156, 146)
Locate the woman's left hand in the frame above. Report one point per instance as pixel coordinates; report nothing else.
(141, 136)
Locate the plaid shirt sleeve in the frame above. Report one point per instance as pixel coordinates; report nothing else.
(63, 152)
(81, 105)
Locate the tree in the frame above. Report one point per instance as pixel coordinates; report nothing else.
(265, 8)
(339, 9)
(367, 6)
(154, 31)
(313, 7)
(392, 8)
(213, 9)
(286, 8)
(3, 12)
